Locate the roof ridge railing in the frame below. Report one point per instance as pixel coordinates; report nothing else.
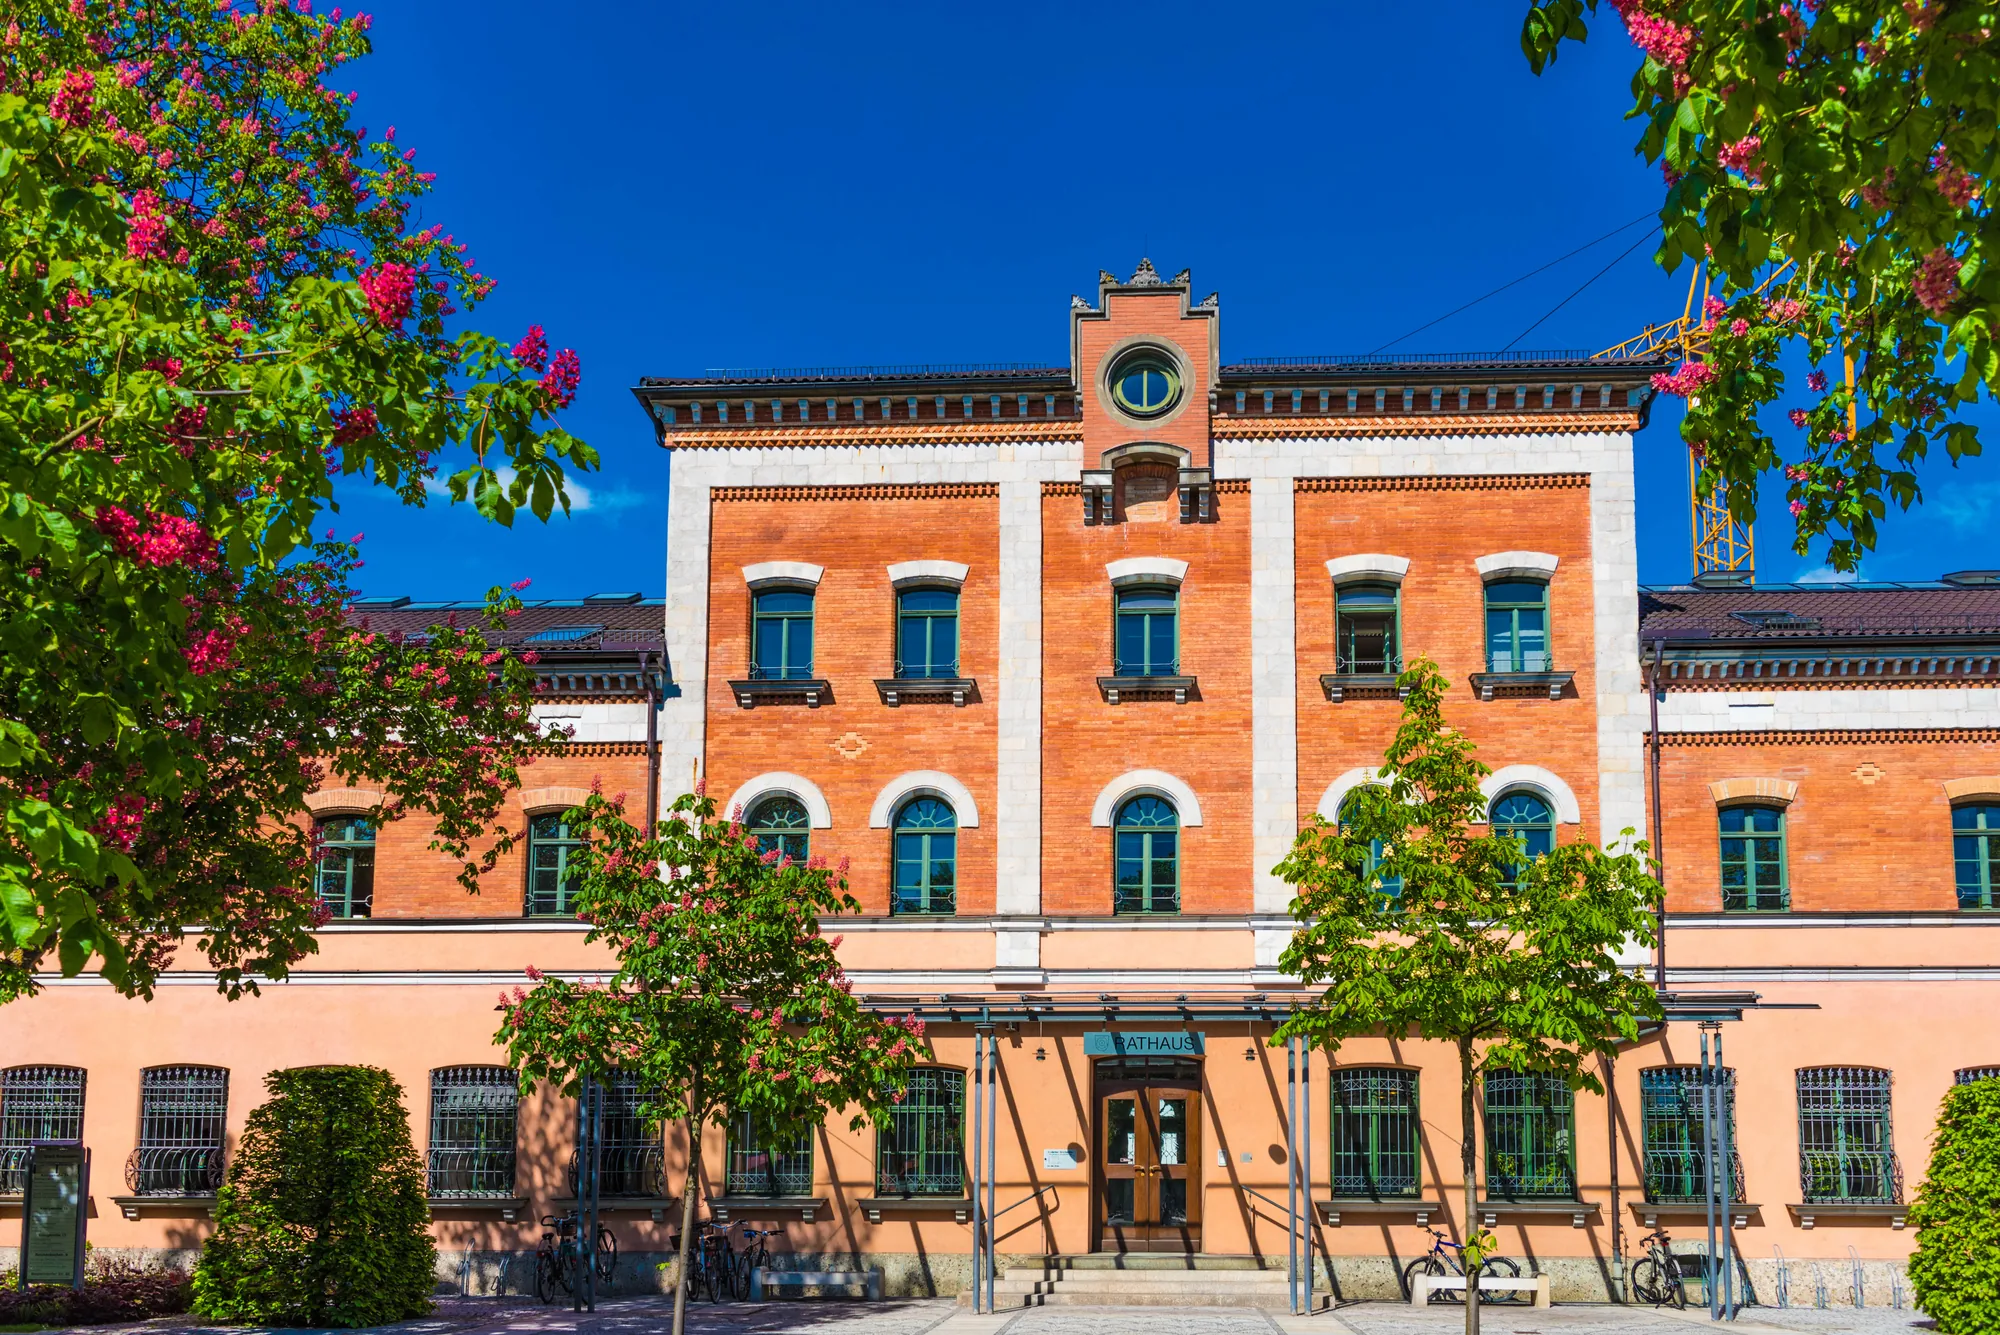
(1413, 359)
(862, 372)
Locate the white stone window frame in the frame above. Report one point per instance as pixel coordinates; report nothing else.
(782, 575)
(1140, 783)
(1135, 571)
(924, 783)
(819, 815)
(928, 575)
(1335, 796)
(1546, 784)
(1369, 567)
(1516, 565)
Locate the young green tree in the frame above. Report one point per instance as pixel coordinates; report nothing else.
(726, 998)
(1417, 922)
(1854, 140)
(322, 1221)
(1956, 1268)
(211, 309)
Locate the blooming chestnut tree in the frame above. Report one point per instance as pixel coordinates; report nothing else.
(726, 998)
(212, 306)
(1853, 140)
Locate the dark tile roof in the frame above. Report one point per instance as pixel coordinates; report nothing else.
(1409, 363)
(1793, 612)
(551, 627)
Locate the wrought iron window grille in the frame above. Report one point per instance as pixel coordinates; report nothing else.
(1967, 1074)
(1846, 1143)
(758, 1166)
(1374, 1130)
(36, 1103)
(473, 1114)
(632, 1159)
(182, 1110)
(1676, 1169)
(920, 1145)
(1530, 1136)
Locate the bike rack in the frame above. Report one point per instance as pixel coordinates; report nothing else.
(1819, 1287)
(1784, 1277)
(1895, 1289)
(1854, 1260)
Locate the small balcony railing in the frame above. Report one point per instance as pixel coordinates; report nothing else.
(174, 1170)
(626, 1170)
(471, 1173)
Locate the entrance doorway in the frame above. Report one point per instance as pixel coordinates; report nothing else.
(1148, 1155)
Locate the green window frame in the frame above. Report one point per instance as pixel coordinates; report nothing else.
(1390, 887)
(36, 1103)
(1374, 1125)
(1670, 1129)
(1517, 626)
(926, 634)
(1146, 847)
(1523, 814)
(1145, 386)
(1367, 629)
(1148, 640)
(1753, 859)
(1847, 1146)
(926, 852)
(761, 1164)
(552, 848)
(781, 634)
(474, 1112)
(344, 873)
(780, 821)
(1975, 852)
(920, 1144)
(1530, 1136)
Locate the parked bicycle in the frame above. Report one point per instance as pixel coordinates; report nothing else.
(1448, 1258)
(1656, 1276)
(559, 1257)
(711, 1263)
(755, 1256)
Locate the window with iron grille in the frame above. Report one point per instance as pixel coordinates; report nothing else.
(1967, 1074)
(473, 1111)
(926, 841)
(1975, 852)
(761, 1164)
(1146, 841)
(346, 875)
(927, 633)
(1670, 1119)
(181, 1115)
(36, 1103)
(1530, 1136)
(1364, 629)
(552, 847)
(920, 1146)
(1753, 859)
(632, 1160)
(1846, 1149)
(782, 636)
(1374, 1127)
(781, 822)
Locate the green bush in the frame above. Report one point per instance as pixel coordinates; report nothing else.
(322, 1221)
(1956, 1269)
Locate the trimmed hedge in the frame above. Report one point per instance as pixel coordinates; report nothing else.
(1956, 1269)
(322, 1220)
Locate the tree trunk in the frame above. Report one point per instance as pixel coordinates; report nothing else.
(690, 1184)
(1466, 1159)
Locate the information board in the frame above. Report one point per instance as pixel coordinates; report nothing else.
(52, 1214)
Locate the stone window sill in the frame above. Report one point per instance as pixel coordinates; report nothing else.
(1368, 1209)
(896, 691)
(509, 1208)
(658, 1207)
(1361, 685)
(877, 1208)
(811, 692)
(726, 1209)
(1651, 1214)
(1849, 1212)
(183, 1206)
(1119, 689)
(1489, 684)
(1579, 1213)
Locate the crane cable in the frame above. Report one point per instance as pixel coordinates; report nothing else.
(1650, 213)
(1579, 291)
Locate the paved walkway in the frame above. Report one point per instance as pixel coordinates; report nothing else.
(943, 1316)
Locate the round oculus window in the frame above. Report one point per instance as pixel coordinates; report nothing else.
(1146, 386)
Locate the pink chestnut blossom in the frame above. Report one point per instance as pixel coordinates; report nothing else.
(1687, 380)
(1936, 283)
(388, 288)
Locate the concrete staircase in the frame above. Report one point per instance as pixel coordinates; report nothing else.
(1141, 1280)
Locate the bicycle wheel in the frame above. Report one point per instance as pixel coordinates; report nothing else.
(545, 1277)
(1673, 1290)
(1647, 1283)
(1428, 1265)
(607, 1257)
(1499, 1267)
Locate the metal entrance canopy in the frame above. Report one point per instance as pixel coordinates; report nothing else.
(1270, 1007)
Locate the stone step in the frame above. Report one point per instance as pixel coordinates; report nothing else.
(1119, 1279)
(1156, 1261)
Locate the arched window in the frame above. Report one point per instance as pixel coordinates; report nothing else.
(926, 857)
(346, 875)
(1517, 626)
(1975, 852)
(1391, 887)
(1148, 633)
(780, 822)
(927, 633)
(782, 638)
(1524, 815)
(551, 848)
(1753, 859)
(1147, 839)
(1364, 624)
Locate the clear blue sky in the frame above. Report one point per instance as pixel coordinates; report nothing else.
(670, 188)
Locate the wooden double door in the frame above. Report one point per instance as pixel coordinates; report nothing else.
(1149, 1155)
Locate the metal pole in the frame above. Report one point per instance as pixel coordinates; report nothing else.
(1653, 689)
(1306, 1173)
(1708, 1176)
(992, 1271)
(1727, 1195)
(978, 1093)
(1292, 1170)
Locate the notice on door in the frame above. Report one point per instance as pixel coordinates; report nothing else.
(52, 1215)
(1115, 1044)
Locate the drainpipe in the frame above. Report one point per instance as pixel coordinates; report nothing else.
(652, 744)
(1653, 689)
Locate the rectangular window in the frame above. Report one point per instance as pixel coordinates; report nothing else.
(927, 633)
(1517, 626)
(1670, 1117)
(632, 1161)
(1374, 1127)
(1975, 852)
(1846, 1150)
(782, 636)
(1753, 860)
(551, 885)
(181, 1115)
(473, 1111)
(1530, 1136)
(1365, 618)
(920, 1146)
(1148, 634)
(346, 875)
(762, 1165)
(36, 1103)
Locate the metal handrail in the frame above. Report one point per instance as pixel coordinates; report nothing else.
(1268, 1201)
(1025, 1199)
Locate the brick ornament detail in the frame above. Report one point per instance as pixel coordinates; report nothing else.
(849, 745)
(1868, 771)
